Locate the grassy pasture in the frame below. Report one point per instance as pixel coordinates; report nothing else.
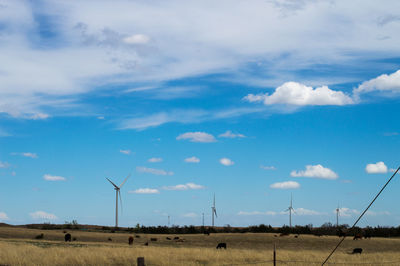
(18, 246)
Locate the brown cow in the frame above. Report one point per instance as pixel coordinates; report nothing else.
(130, 240)
(357, 236)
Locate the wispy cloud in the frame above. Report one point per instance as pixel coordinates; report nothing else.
(285, 185)
(26, 154)
(188, 186)
(145, 191)
(267, 167)
(4, 164)
(197, 137)
(41, 215)
(127, 152)
(142, 169)
(244, 213)
(315, 171)
(230, 135)
(347, 212)
(48, 177)
(376, 168)
(3, 216)
(226, 161)
(155, 160)
(190, 215)
(192, 159)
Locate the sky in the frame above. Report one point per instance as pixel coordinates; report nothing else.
(255, 102)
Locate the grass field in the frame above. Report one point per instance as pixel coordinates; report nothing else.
(18, 246)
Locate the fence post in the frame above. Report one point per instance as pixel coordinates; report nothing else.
(274, 255)
(140, 261)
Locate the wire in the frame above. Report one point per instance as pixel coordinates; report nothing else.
(362, 214)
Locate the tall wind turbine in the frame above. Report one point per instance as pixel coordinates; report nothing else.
(337, 215)
(290, 209)
(213, 211)
(117, 191)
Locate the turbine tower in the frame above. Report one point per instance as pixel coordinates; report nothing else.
(213, 211)
(117, 191)
(290, 209)
(337, 215)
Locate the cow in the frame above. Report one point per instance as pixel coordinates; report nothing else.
(357, 236)
(109, 239)
(74, 239)
(283, 234)
(146, 244)
(39, 236)
(130, 240)
(176, 238)
(221, 245)
(153, 239)
(67, 237)
(137, 236)
(296, 236)
(168, 238)
(207, 233)
(357, 250)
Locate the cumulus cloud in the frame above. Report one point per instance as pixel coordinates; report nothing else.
(267, 167)
(226, 161)
(137, 39)
(26, 154)
(285, 185)
(376, 168)
(155, 160)
(41, 215)
(3, 216)
(197, 137)
(315, 171)
(142, 169)
(48, 177)
(294, 93)
(230, 135)
(388, 83)
(188, 186)
(4, 164)
(244, 213)
(127, 152)
(303, 211)
(346, 212)
(145, 191)
(192, 159)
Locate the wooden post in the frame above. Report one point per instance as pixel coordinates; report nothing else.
(140, 261)
(274, 255)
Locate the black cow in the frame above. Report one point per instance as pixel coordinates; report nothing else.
(221, 245)
(176, 238)
(153, 239)
(207, 233)
(109, 239)
(357, 250)
(39, 236)
(130, 240)
(146, 244)
(67, 237)
(168, 238)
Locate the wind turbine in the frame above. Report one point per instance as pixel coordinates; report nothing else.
(337, 215)
(290, 209)
(117, 191)
(213, 211)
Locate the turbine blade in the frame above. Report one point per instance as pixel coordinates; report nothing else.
(215, 211)
(112, 183)
(124, 181)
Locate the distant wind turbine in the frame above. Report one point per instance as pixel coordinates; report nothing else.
(117, 191)
(213, 212)
(337, 215)
(290, 209)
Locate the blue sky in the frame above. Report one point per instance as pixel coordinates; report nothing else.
(254, 102)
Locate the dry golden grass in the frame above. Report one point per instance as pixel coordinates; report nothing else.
(18, 247)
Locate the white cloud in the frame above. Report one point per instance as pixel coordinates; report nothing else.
(244, 213)
(26, 154)
(192, 159)
(285, 185)
(226, 161)
(153, 171)
(127, 152)
(100, 117)
(137, 39)
(155, 160)
(302, 211)
(346, 212)
(376, 168)
(187, 186)
(197, 137)
(382, 83)
(41, 215)
(229, 134)
(381, 213)
(315, 171)
(145, 191)
(3, 216)
(53, 178)
(190, 215)
(294, 93)
(267, 167)
(4, 164)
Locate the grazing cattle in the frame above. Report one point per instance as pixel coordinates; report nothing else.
(221, 245)
(153, 239)
(176, 238)
(357, 236)
(130, 240)
(206, 233)
(275, 235)
(168, 238)
(109, 239)
(39, 236)
(146, 244)
(67, 237)
(367, 236)
(283, 234)
(74, 239)
(137, 236)
(296, 236)
(357, 250)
